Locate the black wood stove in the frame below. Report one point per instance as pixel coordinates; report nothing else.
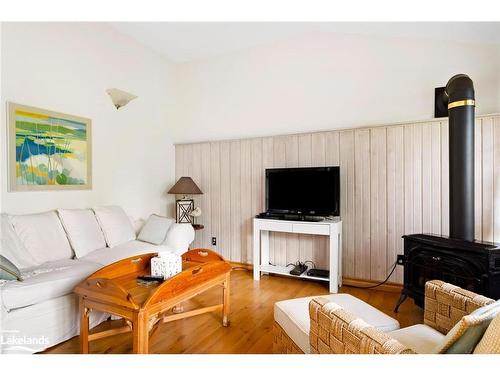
(457, 259)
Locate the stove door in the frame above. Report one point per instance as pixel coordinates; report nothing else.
(424, 264)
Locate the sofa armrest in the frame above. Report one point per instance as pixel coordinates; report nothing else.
(335, 331)
(446, 304)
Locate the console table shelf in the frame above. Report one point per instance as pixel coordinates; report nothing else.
(280, 270)
(330, 228)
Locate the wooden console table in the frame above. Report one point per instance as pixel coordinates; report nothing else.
(114, 289)
(330, 228)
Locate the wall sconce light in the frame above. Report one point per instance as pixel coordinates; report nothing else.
(120, 98)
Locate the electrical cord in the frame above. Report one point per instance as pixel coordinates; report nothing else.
(381, 283)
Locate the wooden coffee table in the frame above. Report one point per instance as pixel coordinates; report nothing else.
(114, 289)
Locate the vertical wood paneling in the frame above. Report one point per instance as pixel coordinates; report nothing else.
(235, 197)
(445, 181)
(347, 202)
(394, 180)
(395, 197)
(478, 186)
(318, 159)
(496, 180)
(215, 195)
(378, 204)
(427, 207)
(195, 174)
(362, 257)
(488, 177)
(246, 200)
(256, 154)
(206, 203)
(224, 242)
(436, 184)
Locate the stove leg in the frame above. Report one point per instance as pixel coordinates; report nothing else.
(402, 298)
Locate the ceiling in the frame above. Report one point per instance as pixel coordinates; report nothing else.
(187, 41)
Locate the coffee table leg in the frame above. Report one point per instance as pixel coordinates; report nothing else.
(225, 301)
(84, 327)
(140, 333)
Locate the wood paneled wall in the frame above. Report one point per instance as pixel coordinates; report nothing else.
(394, 180)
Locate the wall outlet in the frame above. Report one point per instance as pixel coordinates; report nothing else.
(400, 259)
(214, 241)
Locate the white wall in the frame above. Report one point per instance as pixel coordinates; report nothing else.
(67, 68)
(326, 81)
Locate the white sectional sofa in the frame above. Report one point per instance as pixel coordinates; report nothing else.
(54, 252)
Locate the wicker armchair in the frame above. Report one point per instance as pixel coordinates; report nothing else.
(335, 331)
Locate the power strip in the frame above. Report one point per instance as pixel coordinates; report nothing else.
(299, 269)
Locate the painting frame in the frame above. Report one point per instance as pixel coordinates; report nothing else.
(13, 185)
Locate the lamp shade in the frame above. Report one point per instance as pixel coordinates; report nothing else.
(186, 186)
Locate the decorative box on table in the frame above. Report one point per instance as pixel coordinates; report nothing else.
(166, 264)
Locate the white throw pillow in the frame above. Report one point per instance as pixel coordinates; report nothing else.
(179, 237)
(43, 236)
(11, 246)
(83, 230)
(115, 225)
(155, 230)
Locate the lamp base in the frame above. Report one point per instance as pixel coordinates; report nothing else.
(183, 209)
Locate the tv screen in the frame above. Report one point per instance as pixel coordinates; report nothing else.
(307, 191)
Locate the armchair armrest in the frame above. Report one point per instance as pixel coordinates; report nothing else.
(335, 331)
(446, 304)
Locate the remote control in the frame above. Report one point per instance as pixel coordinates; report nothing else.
(151, 278)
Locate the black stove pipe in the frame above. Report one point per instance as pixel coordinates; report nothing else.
(461, 116)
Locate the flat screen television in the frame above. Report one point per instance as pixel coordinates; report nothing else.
(303, 191)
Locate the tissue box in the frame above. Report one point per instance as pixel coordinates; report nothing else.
(166, 265)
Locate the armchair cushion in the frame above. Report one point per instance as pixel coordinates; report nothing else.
(420, 338)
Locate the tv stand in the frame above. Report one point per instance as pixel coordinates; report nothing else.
(330, 228)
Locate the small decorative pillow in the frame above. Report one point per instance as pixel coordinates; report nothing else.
(490, 343)
(8, 271)
(464, 336)
(83, 230)
(155, 230)
(115, 225)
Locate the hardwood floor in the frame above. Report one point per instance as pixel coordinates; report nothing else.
(251, 319)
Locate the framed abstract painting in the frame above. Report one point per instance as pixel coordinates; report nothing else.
(48, 150)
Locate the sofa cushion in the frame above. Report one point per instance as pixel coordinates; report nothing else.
(179, 237)
(125, 250)
(49, 280)
(422, 339)
(293, 316)
(11, 246)
(43, 236)
(83, 230)
(115, 225)
(155, 230)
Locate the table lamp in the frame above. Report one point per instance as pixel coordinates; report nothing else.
(185, 186)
